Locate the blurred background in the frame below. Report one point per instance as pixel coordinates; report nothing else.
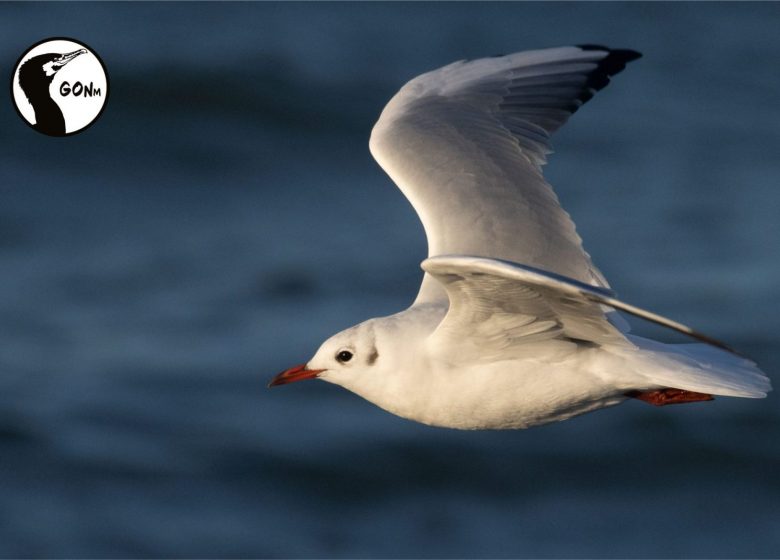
(224, 216)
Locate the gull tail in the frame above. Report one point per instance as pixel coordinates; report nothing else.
(698, 368)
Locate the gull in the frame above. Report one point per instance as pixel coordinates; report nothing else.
(513, 326)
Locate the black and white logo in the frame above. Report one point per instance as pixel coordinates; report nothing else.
(59, 86)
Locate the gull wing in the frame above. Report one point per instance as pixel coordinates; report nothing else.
(465, 144)
(498, 306)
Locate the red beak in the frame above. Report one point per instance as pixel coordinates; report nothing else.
(295, 373)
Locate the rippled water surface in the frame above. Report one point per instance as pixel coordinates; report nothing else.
(224, 216)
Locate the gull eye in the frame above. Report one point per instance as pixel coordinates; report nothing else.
(344, 356)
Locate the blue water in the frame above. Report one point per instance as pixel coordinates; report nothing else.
(224, 216)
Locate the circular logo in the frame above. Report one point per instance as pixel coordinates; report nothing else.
(59, 86)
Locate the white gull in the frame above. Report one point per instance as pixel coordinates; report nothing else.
(513, 325)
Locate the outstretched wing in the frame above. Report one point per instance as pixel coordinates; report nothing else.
(497, 305)
(466, 143)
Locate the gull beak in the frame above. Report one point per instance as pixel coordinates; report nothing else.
(295, 373)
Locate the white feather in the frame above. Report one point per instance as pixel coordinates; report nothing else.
(465, 144)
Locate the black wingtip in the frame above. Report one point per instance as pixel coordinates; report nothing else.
(616, 59)
(627, 54)
(614, 63)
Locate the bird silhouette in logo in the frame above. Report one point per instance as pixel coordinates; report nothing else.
(35, 77)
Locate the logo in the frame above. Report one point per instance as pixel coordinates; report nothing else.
(59, 86)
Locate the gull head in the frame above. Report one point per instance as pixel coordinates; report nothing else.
(380, 359)
(350, 358)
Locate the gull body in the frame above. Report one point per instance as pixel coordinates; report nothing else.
(411, 379)
(513, 326)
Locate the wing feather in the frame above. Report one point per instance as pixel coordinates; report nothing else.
(484, 293)
(466, 143)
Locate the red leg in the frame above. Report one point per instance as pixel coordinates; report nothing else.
(661, 397)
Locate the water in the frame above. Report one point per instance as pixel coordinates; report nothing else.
(223, 217)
